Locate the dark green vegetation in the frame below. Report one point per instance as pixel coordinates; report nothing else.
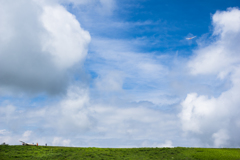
(42, 152)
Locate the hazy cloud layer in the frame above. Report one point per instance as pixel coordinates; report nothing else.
(76, 119)
(39, 42)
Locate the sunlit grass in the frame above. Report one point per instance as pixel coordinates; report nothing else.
(180, 153)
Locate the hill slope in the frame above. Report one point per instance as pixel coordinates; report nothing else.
(49, 152)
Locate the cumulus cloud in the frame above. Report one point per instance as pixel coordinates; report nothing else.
(223, 54)
(215, 119)
(39, 42)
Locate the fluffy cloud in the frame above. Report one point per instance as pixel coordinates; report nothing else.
(223, 54)
(39, 42)
(215, 119)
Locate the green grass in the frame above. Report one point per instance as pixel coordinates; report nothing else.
(180, 153)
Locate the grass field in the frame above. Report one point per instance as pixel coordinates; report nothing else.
(42, 152)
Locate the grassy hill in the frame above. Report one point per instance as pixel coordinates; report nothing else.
(49, 152)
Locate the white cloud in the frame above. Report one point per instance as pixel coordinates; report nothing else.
(220, 138)
(221, 56)
(214, 119)
(4, 132)
(66, 41)
(226, 22)
(59, 141)
(27, 134)
(39, 42)
(194, 109)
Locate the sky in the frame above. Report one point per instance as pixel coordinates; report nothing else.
(111, 73)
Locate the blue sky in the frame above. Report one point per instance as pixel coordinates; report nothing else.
(108, 73)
